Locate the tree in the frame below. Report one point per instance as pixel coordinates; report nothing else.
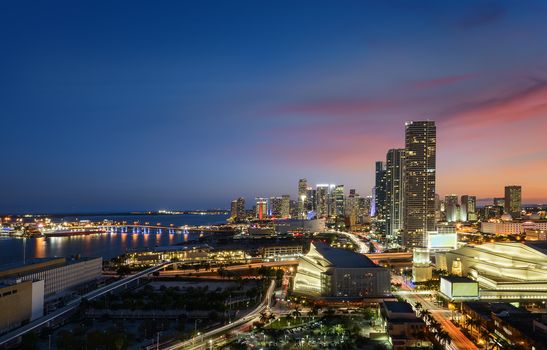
(123, 270)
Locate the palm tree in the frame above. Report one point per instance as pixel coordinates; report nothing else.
(296, 313)
(444, 337)
(418, 306)
(485, 335)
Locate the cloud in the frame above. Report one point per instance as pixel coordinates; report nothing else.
(441, 81)
(483, 14)
(521, 104)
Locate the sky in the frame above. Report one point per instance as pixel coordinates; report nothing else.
(137, 105)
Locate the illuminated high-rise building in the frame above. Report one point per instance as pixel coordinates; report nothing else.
(468, 210)
(452, 208)
(499, 202)
(352, 207)
(420, 174)
(338, 201)
(322, 194)
(237, 210)
(302, 198)
(312, 200)
(285, 206)
(275, 207)
(513, 201)
(394, 186)
(261, 208)
(379, 191)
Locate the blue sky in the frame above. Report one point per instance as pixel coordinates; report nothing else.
(133, 105)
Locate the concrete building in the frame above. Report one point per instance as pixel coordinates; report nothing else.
(59, 274)
(420, 177)
(452, 208)
(504, 271)
(512, 227)
(237, 209)
(402, 326)
(468, 208)
(20, 301)
(455, 288)
(327, 272)
(285, 206)
(513, 201)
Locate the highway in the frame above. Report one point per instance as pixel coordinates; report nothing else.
(363, 247)
(191, 344)
(75, 303)
(458, 340)
(174, 273)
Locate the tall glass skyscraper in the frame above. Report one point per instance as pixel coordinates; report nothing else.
(394, 178)
(420, 173)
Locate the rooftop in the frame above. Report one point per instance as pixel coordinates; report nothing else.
(342, 257)
(458, 279)
(398, 307)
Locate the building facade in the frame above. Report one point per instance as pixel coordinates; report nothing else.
(328, 272)
(420, 177)
(394, 180)
(513, 201)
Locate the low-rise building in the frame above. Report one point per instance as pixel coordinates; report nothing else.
(280, 251)
(184, 254)
(20, 301)
(456, 288)
(59, 274)
(504, 270)
(404, 329)
(511, 227)
(328, 272)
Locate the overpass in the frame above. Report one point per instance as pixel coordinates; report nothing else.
(190, 343)
(73, 304)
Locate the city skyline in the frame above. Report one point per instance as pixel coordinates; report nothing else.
(129, 107)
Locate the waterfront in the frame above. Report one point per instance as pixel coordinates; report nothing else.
(108, 245)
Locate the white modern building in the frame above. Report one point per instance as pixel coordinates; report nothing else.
(512, 227)
(339, 273)
(504, 271)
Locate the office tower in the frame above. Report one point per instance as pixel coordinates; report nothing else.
(285, 206)
(233, 210)
(312, 200)
(452, 209)
(302, 198)
(394, 182)
(293, 205)
(438, 208)
(513, 201)
(261, 208)
(237, 210)
(275, 207)
(499, 202)
(468, 208)
(365, 207)
(322, 193)
(420, 168)
(352, 207)
(338, 201)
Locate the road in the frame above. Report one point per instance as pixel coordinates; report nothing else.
(363, 247)
(75, 303)
(203, 342)
(442, 315)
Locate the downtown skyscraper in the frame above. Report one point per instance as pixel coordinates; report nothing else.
(420, 174)
(395, 196)
(513, 201)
